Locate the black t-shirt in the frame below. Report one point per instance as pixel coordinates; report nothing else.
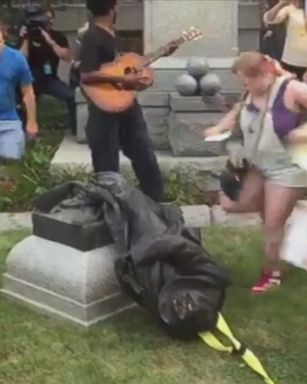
(43, 60)
(98, 47)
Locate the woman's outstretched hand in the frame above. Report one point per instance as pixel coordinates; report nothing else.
(212, 131)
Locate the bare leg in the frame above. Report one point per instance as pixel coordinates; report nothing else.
(279, 204)
(251, 196)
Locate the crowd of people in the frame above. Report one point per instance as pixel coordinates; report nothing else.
(269, 116)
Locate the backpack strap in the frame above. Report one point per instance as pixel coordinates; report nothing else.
(237, 132)
(237, 348)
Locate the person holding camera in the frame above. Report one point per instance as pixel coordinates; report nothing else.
(14, 74)
(261, 175)
(44, 47)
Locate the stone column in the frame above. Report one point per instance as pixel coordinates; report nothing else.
(218, 20)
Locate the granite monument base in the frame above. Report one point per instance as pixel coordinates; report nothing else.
(62, 281)
(189, 117)
(155, 106)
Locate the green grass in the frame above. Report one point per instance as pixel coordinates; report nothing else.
(31, 175)
(129, 349)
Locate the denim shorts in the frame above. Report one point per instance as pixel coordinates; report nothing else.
(12, 140)
(279, 169)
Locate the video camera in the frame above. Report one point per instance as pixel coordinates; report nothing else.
(35, 18)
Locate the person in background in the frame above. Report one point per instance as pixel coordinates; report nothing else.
(44, 53)
(292, 14)
(270, 121)
(14, 74)
(272, 37)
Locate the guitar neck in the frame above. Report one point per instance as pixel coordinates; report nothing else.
(156, 55)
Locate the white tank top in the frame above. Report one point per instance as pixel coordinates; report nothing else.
(295, 48)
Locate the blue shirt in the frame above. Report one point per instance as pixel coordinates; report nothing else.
(14, 72)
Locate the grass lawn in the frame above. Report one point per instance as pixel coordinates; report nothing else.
(130, 350)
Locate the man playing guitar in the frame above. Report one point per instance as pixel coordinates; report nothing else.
(107, 132)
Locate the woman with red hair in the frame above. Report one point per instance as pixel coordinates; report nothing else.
(269, 119)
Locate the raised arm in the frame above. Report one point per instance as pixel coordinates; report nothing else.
(24, 47)
(277, 14)
(60, 48)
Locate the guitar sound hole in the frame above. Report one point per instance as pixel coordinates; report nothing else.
(129, 70)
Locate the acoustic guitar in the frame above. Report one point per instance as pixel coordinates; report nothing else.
(115, 98)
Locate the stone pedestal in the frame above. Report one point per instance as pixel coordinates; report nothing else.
(165, 20)
(155, 107)
(189, 117)
(66, 270)
(64, 282)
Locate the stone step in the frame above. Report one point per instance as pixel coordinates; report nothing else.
(73, 156)
(15, 221)
(221, 218)
(197, 216)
